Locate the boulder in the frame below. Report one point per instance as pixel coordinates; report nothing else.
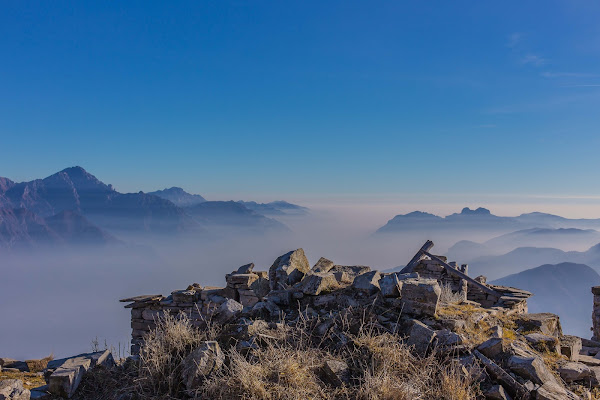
(574, 371)
(288, 269)
(245, 269)
(12, 389)
(491, 348)
(349, 272)
(542, 342)
(570, 346)
(367, 282)
(335, 373)
(496, 331)
(421, 337)
(554, 391)
(228, 311)
(323, 265)
(420, 296)
(240, 281)
(65, 379)
(200, 363)
(532, 368)
(447, 338)
(546, 323)
(496, 392)
(391, 284)
(316, 283)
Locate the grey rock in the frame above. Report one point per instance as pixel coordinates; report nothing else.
(315, 283)
(570, 346)
(245, 269)
(421, 337)
(12, 389)
(532, 368)
(554, 391)
(447, 338)
(288, 269)
(420, 296)
(496, 392)
(228, 311)
(543, 342)
(64, 381)
(496, 332)
(391, 284)
(367, 282)
(323, 265)
(335, 373)
(546, 323)
(201, 363)
(574, 371)
(491, 347)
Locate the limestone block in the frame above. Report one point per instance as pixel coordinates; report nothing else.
(315, 283)
(240, 281)
(228, 311)
(201, 363)
(497, 392)
(570, 346)
(546, 323)
(288, 269)
(532, 368)
(245, 269)
(184, 296)
(12, 389)
(323, 265)
(420, 296)
(491, 347)
(66, 378)
(367, 282)
(542, 342)
(421, 337)
(574, 371)
(335, 373)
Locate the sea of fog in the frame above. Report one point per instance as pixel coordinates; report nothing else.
(61, 300)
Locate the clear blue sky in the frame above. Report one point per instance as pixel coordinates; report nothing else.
(320, 98)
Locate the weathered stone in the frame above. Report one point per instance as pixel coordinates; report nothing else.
(316, 283)
(367, 282)
(248, 300)
(554, 391)
(40, 393)
(228, 311)
(261, 287)
(514, 388)
(65, 380)
(210, 291)
(351, 271)
(343, 277)
(542, 342)
(323, 265)
(570, 346)
(201, 363)
(574, 371)
(491, 347)
(496, 332)
(152, 315)
(335, 373)
(447, 338)
(420, 296)
(532, 368)
(240, 281)
(184, 296)
(496, 392)
(12, 389)
(546, 323)
(288, 269)
(421, 337)
(245, 269)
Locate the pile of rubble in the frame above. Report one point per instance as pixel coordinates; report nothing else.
(486, 328)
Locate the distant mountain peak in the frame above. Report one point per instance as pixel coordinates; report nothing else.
(179, 197)
(478, 211)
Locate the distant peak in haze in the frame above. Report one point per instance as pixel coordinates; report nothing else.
(479, 211)
(179, 197)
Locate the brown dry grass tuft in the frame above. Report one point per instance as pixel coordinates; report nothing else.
(39, 365)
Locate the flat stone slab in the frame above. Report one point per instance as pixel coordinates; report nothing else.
(68, 373)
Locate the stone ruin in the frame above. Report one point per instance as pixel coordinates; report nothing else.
(291, 286)
(485, 328)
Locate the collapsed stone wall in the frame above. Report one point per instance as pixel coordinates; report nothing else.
(291, 286)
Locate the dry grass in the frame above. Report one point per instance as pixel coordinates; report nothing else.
(287, 366)
(30, 379)
(447, 296)
(39, 365)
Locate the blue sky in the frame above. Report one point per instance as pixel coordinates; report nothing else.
(289, 99)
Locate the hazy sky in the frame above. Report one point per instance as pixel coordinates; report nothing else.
(315, 99)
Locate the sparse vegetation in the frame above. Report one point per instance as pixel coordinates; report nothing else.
(287, 365)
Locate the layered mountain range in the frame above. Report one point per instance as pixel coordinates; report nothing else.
(481, 219)
(73, 206)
